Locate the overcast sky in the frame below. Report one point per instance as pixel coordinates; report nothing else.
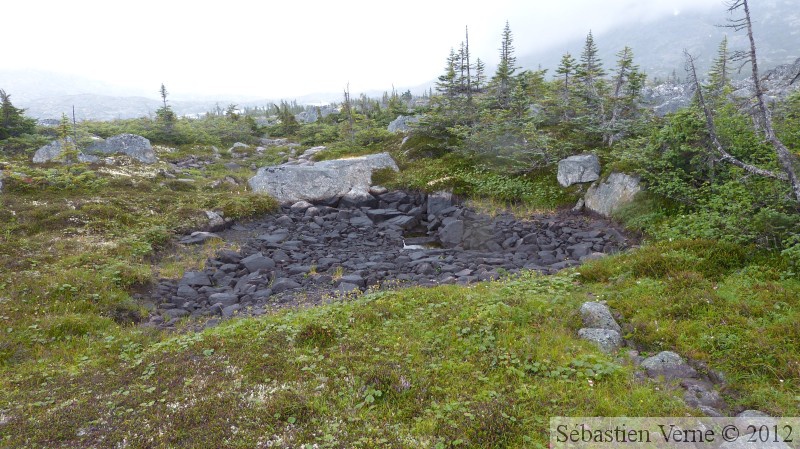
(280, 49)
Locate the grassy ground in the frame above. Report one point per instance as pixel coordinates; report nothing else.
(480, 366)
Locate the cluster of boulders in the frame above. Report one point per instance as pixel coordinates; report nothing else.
(307, 252)
(130, 145)
(604, 196)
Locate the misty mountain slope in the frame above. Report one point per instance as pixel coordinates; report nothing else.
(658, 45)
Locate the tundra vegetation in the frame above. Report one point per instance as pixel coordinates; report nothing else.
(715, 279)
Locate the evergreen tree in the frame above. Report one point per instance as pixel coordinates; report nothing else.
(447, 84)
(591, 90)
(164, 114)
(503, 79)
(480, 75)
(623, 102)
(13, 122)
(718, 76)
(566, 72)
(590, 70)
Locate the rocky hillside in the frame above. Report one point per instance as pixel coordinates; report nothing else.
(658, 46)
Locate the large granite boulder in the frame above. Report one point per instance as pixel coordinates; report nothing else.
(319, 181)
(54, 151)
(137, 147)
(401, 123)
(609, 195)
(578, 169)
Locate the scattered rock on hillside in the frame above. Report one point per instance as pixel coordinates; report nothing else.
(578, 169)
(401, 123)
(609, 195)
(320, 181)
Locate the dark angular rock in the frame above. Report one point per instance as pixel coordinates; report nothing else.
(283, 284)
(257, 262)
(195, 279)
(225, 299)
(273, 238)
(229, 311)
(452, 233)
(361, 222)
(403, 222)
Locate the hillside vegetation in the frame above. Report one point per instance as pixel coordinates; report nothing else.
(484, 365)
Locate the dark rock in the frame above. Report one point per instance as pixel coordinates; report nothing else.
(195, 279)
(229, 311)
(403, 222)
(258, 262)
(283, 284)
(361, 222)
(452, 233)
(196, 238)
(225, 299)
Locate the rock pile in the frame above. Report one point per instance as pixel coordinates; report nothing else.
(306, 253)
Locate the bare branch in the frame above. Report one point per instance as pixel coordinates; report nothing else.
(712, 131)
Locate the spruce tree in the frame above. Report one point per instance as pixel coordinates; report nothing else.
(503, 79)
(13, 122)
(718, 77)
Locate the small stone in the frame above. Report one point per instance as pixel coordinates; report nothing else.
(607, 340)
(597, 315)
(258, 262)
(669, 365)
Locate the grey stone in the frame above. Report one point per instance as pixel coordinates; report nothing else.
(452, 233)
(401, 123)
(137, 147)
(597, 315)
(284, 221)
(300, 206)
(257, 262)
(319, 181)
(578, 169)
(273, 238)
(282, 284)
(754, 418)
(352, 279)
(439, 201)
(402, 222)
(195, 279)
(607, 340)
(229, 311)
(199, 237)
(609, 195)
(225, 299)
(669, 365)
(53, 152)
(361, 222)
(344, 288)
(358, 197)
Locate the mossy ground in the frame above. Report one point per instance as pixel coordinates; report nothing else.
(479, 366)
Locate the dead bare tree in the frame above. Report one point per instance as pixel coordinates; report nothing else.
(785, 157)
(712, 129)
